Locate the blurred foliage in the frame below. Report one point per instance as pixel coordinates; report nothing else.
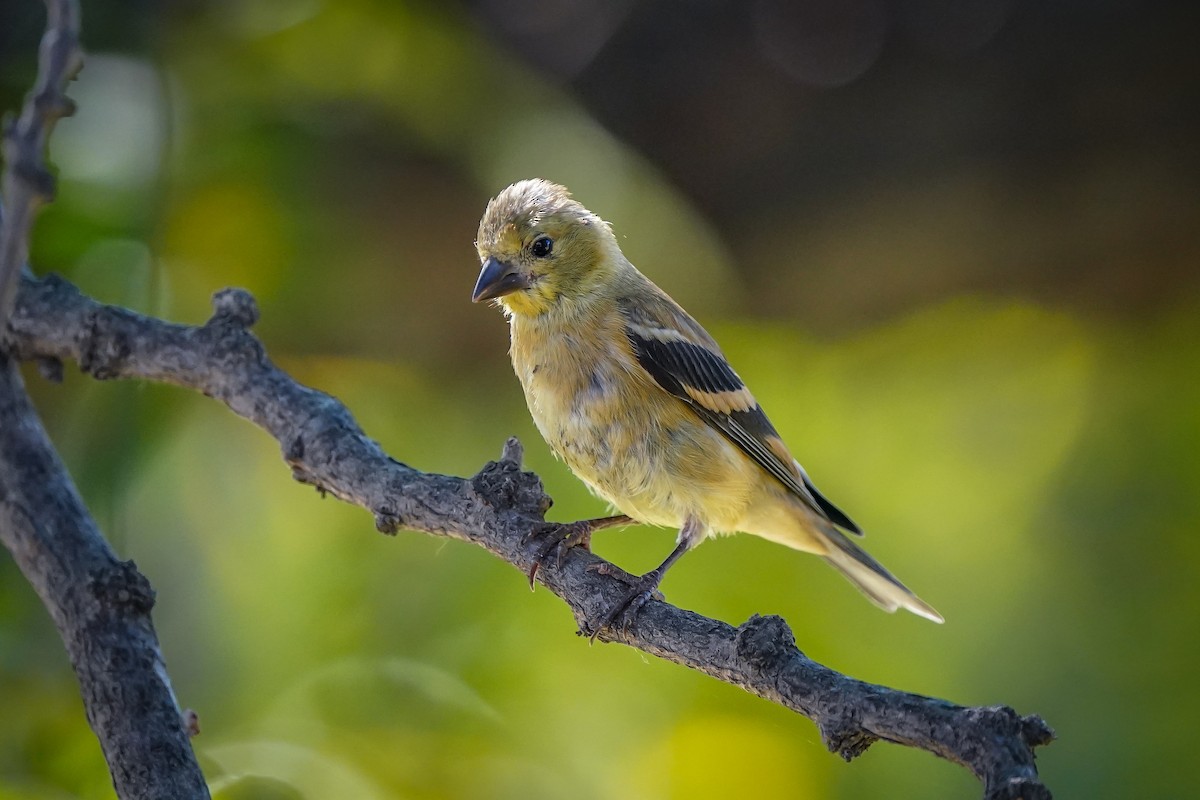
(952, 246)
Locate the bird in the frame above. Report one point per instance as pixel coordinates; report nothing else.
(641, 404)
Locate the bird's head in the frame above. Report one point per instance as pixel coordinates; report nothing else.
(539, 248)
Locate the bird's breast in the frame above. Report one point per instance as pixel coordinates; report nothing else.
(581, 394)
(573, 387)
(632, 443)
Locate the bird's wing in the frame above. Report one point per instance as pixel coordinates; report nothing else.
(685, 361)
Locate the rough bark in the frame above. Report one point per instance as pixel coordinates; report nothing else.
(26, 184)
(496, 509)
(101, 606)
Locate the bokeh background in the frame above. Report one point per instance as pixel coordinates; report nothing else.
(952, 244)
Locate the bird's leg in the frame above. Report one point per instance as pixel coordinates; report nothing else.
(562, 536)
(691, 534)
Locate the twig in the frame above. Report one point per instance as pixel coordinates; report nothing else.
(26, 183)
(496, 509)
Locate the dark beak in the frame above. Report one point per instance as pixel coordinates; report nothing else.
(496, 280)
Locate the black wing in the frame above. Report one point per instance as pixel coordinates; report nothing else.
(701, 377)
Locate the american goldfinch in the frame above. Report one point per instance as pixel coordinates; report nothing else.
(640, 403)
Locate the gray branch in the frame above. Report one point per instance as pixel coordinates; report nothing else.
(496, 509)
(26, 183)
(100, 604)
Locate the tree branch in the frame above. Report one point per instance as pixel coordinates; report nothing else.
(495, 509)
(101, 606)
(26, 184)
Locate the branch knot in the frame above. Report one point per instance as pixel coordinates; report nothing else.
(122, 585)
(504, 485)
(234, 305)
(1036, 731)
(103, 348)
(388, 520)
(53, 105)
(766, 642)
(37, 178)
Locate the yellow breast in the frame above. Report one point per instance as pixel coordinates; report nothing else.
(631, 442)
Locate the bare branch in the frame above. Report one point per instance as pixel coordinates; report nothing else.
(26, 183)
(496, 509)
(100, 604)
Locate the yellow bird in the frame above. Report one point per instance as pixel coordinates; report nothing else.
(640, 403)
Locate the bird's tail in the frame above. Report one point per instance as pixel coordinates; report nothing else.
(881, 586)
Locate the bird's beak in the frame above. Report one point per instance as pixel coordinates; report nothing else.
(497, 279)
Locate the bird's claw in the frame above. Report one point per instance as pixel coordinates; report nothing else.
(560, 537)
(622, 613)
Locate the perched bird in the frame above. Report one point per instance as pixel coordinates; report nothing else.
(640, 403)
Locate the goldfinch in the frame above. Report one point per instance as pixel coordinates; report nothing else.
(640, 403)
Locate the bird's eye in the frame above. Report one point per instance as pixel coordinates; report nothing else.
(541, 246)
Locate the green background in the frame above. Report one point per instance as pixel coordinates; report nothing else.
(952, 247)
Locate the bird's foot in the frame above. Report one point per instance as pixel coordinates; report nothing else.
(558, 538)
(623, 612)
(562, 536)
